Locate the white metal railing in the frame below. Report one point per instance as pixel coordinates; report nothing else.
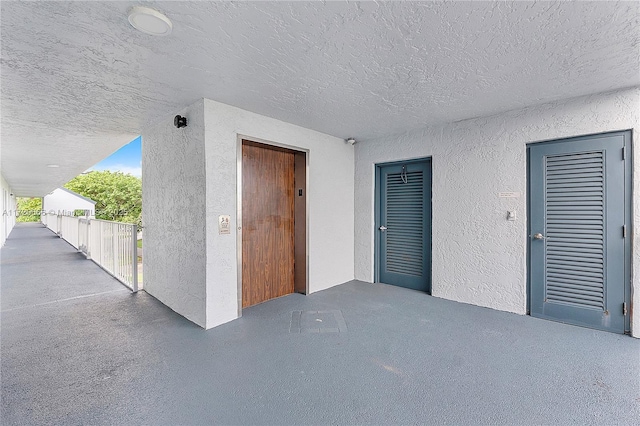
(50, 221)
(111, 245)
(69, 229)
(83, 235)
(44, 218)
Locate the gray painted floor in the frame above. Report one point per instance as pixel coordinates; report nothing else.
(379, 355)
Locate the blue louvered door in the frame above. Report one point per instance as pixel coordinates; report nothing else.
(578, 204)
(403, 224)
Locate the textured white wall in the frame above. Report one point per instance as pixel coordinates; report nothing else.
(8, 207)
(331, 203)
(478, 256)
(173, 197)
(60, 201)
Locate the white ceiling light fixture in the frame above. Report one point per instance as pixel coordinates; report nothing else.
(149, 21)
(52, 166)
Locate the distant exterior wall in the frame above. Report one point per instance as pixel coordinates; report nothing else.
(61, 201)
(478, 256)
(190, 177)
(8, 210)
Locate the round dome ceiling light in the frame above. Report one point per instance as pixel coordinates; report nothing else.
(149, 21)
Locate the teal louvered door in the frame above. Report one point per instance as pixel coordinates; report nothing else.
(403, 224)
(579, 203)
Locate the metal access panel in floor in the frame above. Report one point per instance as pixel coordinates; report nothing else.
(579, 242)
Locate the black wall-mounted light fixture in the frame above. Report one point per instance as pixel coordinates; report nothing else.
(180, 121)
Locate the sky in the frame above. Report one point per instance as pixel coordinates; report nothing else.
(127, 159)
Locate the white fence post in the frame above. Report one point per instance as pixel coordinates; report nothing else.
(88, 241)
(134, 259)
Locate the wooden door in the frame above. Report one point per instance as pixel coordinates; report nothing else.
(268, 179)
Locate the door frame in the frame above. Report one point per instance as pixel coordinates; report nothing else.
(304, 256)
(376, 216)
(628, 214)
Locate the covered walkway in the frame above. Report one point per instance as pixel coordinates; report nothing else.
(79, 348)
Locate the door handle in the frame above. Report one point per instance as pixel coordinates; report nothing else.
(383, 228)
(538, 236)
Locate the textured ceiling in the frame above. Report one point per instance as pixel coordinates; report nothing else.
(78, 82)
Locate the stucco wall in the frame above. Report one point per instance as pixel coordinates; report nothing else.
(173, 196)
(478, 256)
(60, 201)
(331, 204)
(8, 210)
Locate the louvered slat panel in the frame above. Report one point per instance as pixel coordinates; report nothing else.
(577, 228)
(560, 194)
(404, 221)
(578, 238)
(574, 216)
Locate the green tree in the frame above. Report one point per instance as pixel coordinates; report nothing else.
(118, 196)
(28, 209)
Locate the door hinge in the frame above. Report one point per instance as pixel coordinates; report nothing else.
(624, 152)
(624, 308)
(624, 231)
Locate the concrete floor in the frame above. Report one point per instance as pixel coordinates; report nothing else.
(381, 355)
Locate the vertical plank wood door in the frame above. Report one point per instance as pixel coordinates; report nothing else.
(267, 223)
